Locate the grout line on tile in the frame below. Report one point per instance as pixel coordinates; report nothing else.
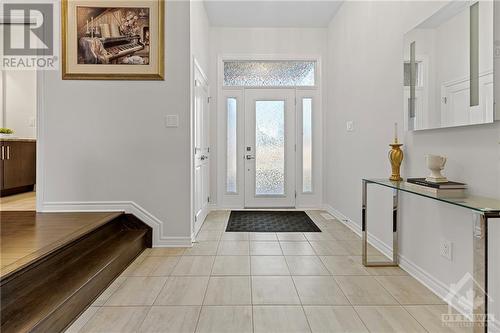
(296, 290)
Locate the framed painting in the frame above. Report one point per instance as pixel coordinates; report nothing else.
(113, 39)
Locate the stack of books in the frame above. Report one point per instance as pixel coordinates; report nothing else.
(439, 190)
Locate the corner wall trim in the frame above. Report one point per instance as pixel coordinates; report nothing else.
(128, 207)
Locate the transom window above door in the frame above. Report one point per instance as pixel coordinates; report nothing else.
(283, 73)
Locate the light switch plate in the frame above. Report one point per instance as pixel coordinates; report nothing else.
(172, 120)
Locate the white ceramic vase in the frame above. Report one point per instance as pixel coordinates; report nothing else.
(436, 163)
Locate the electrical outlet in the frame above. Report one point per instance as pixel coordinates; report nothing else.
(446, 249)
(349, 126)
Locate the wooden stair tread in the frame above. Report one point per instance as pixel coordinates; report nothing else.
(33, 307)
(45, 251)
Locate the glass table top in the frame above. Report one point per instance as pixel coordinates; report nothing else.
(476, 203)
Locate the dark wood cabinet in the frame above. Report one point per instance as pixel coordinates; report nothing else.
(17, 166)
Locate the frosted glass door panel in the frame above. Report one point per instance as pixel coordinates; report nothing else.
(270, 147)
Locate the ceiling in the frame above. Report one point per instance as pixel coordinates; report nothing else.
(271, 13)
(444, 14)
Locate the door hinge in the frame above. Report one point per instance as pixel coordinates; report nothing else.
(295, 193)
(295, 147)
(208, 149)
(208, 199)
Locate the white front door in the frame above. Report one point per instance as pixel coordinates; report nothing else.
(269, 149)
(201, 149)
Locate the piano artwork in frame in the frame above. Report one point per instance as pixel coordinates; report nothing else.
(103, 40)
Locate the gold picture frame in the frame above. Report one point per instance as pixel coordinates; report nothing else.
(113, 39)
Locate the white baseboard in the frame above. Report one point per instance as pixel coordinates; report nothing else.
(344, 219)
(129, 207)
(438, 287)
(494, 327)
(212, 207)
(239, 207)
(225, 207)
(197, 227)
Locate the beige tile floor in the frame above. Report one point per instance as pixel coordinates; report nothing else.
(264, 282)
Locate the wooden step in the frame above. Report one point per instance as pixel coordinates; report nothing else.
(49, 294)
(29, 236)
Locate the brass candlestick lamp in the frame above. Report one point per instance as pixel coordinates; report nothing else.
(396, 157)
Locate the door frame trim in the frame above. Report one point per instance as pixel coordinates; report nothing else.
(195, 67)
(40, 129)
(304, 200)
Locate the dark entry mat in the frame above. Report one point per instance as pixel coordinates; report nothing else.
(270, 221)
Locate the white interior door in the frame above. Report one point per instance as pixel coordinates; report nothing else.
(269, 150)
(201, 149)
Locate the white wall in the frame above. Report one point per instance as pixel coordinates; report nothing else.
(2, 100)
(106, 142)
(19, 104)
(365, 85)
(199, 39)
(259, 41)
(200, 32)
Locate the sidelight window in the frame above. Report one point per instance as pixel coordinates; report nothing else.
(231, 150)
(307, 145)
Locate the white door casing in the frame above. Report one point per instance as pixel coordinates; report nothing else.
(234, 197)
(269, 150)
(230, 197)
(308, 194)
(455, 107)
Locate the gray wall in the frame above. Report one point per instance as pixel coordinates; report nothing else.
(106, 140)
(365, 85)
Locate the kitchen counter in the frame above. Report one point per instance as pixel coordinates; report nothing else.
(9, 139)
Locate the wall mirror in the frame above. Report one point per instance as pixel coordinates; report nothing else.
(448, 67)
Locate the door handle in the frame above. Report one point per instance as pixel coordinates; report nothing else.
(8, 152)
(250, 157)
(3, 153)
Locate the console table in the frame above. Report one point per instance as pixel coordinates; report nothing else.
(485, 208)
